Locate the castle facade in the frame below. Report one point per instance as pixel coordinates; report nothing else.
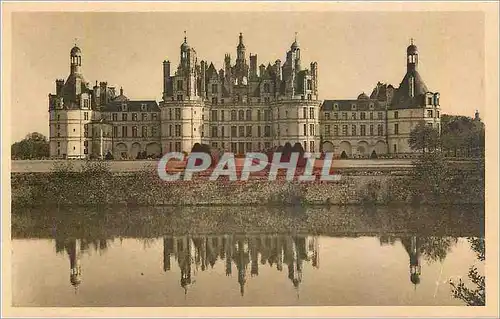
(240, 108)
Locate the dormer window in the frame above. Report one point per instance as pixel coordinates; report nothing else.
(336, 106)
(124, 107)
(143, 107)
(371, 106)
(353, 106)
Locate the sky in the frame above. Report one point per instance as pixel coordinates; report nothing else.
(354, 50)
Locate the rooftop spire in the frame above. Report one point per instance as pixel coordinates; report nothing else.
(411, 41)
(185, 37)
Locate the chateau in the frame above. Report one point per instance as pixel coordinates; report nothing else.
(241, 107)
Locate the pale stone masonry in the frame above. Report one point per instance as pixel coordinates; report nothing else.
(241, 107)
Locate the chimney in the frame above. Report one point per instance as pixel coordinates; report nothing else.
(103, 86)
(253, 66)
(59, 86)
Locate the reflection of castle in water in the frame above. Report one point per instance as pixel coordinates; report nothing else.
(200, 252)
(75, 249)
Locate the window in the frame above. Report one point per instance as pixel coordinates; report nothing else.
(353, 130)
(85, 130)
(124, 116)
(170, 114)
(177, 146)
(396, 128)
(85, 115)
(241, 115)
(362, 116)
(336, 116)
(311, 129)
(267, 115)
(241, 131)
(305, 129)
(144, 131)
(259, 133)
(309, 84)
(258, 115)
(134, 116)
(249, 115)
(371, 129)
(249, 147)
(362, 129)
(344, 129)
(59, 117)
(309, 97)
(353, 106)
(429, 113)
(214, 131)
(371, 115)
(214, 88)
(179, 85)
(170, 130)
(396, 114)
(134, 131)
(144, 116)
(214, 144)
(336, 130)
(143, 107)
(115, 131)
(266, 87)
(233, 115)
(327, 115)
(380, 115)
(177, 130)
(344, 115)
(58, 134)
(380, 130)
(124, 107)
(222, 115)
(311, 113)
(124, 131)
(177, 113)
(180, 97)
(249, 131)
(429, 100)
(304, 112)
(267, 131)
(353, 115)
(395, 148)
(311, 149)
(154, 131)
(214, 115)
(411, 87)
(222, 102)
(327, 130)
(233, 131)
(222, 131)
(59, 126)
(437, 114)
(214, 100)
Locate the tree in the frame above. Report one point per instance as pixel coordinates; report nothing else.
(477, 296)
(33, 146)
(424, 137)
(462, 135)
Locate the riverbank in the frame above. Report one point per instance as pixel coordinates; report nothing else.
(97, 185)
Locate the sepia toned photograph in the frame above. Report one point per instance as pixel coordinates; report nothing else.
(197, 157)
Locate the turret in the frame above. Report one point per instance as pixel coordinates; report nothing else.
(75, 60)
(166, 77)
(411, 57)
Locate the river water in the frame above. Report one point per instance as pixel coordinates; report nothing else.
(222, 257)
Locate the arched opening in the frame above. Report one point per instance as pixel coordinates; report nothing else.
(135, 151)
(121, 151)
(374, 155)
(345, 147)
(153, 149)
(343, 155)
(328, 147)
